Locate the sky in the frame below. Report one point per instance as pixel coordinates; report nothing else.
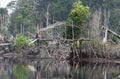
(3, 3)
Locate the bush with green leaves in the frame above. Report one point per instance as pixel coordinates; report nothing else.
(78, 17)
(21, 41)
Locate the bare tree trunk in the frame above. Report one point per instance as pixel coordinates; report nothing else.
(1, 21)
(106, 17)
(21, 28)
(47, 17)
(72, 31)
(95, 24)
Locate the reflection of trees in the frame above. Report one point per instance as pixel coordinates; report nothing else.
(46, 69)
(22, 71)
(53, 69)
(12, 70)
(87, 70)
(19, 71)
(5, 69)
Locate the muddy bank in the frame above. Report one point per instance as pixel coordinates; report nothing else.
(86, 50)
(34, 52)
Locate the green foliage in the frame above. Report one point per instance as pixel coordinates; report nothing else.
(21, 41)
(76, 43)
(20, 18)
(68, 32)
(78, 17)
(23, 12)
(79, 14)
(31, 14)
(20, 71)
(115, 39)
(3, 18)
(3, 11)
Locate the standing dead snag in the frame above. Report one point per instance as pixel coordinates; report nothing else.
(1, 38)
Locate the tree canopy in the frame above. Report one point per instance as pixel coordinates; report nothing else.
(77, 17)
(79, 14)
(30, 14)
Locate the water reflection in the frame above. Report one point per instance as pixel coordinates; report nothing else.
(56, 69)
(90, 70)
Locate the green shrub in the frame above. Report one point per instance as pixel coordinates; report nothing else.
(21, 41)
(76, 43)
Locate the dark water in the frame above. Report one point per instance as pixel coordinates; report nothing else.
(56, 69)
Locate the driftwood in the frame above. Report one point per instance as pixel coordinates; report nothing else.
(5, 44)
(110, 31)
(69, 40)
(33, 41)
(52, 26)
(12, 55)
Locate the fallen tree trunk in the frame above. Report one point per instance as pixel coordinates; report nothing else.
(112, 32)
(5, 44)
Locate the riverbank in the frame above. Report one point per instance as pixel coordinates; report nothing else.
(95, 49)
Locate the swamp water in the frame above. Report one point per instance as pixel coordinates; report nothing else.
(56, 69)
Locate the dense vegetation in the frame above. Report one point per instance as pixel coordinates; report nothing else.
(28, 15)
(77, 17)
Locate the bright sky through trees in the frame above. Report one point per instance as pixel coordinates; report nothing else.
(3, 3)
